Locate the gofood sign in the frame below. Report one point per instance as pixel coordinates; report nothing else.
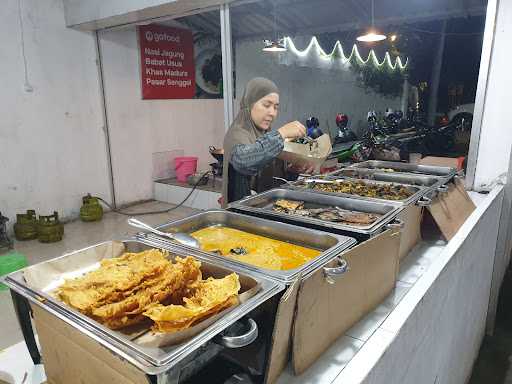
(167, 62)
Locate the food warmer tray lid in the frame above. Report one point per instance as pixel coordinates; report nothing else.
(436, 170)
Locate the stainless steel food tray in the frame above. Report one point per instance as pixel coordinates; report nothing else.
(417, 191)
(37, 281)
(430, 181)
(262, 205)
(330, 244)
(446, 172)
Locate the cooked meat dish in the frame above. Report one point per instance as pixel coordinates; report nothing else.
(334, 214)
(288, 204)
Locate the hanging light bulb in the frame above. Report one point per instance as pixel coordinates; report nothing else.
(372, 35)
(275, 45)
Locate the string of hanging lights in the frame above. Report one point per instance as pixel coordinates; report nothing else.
(337, 52)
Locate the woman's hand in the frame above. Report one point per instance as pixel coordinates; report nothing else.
(292, 130)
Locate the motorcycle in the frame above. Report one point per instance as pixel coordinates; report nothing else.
(313, 130)
(345, 134)
(380, 141)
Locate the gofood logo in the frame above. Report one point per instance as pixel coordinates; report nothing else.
(156, 37)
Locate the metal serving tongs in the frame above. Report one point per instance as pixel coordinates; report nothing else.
(181, 238)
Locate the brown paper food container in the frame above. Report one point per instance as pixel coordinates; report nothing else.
(307, 155)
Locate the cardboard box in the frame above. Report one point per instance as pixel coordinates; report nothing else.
(451, 209)
(454, 162)
(70, 356)
(411, 216)
(313, 313)
(326, 311)
(307, 155)
(310, 316)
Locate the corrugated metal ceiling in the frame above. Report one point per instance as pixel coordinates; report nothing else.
(303, 17)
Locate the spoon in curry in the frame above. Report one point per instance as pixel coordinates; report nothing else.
(181, 238)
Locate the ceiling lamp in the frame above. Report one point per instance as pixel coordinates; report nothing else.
(275, 45)
(372, 35)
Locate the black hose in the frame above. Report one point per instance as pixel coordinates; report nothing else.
(157, 212)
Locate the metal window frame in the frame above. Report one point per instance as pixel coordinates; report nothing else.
(227, 64)
(481, 91)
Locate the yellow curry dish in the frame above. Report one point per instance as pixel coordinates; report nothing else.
(253, 249)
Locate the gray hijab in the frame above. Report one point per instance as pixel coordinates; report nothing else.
(243, 130)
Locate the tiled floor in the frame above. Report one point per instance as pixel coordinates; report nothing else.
(329, 366)
(78, 235)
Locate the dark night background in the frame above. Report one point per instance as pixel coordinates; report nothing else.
(419, 42)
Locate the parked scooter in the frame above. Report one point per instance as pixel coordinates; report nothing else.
(345, 134)
(313, 130)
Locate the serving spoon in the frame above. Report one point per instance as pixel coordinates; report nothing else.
(181, 238)
(309, 181)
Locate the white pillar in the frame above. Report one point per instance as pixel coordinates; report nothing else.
(227, 64)
(490, 144)
(490, 153)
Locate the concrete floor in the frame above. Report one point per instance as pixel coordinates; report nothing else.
(493, 365)
(78, 235)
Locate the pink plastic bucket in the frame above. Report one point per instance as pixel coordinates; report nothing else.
(185, 166)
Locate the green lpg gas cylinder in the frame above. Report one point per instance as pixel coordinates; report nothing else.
(91, 209)
(49, 228)
(25, 227)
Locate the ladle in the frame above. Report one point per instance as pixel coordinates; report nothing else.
(181, 238)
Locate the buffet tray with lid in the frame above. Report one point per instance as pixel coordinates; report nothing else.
(262, 205)
(446, 173)
(36, 283)
(417, 191)
(330, 245)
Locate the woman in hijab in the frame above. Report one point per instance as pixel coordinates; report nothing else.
(250, 146)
